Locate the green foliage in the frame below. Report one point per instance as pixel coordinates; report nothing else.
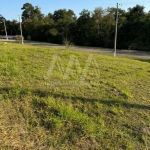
(133, 30)
(91, 28)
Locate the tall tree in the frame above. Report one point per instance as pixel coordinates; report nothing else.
(130, 32)
(98, 25)
(63, 19)
(90, 29)
(32, 18)
(28, 11)
(84, 28)
(2, 31)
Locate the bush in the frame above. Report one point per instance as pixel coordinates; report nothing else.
(18, 38)
(67, 43)
(133, 46)
(29, 37)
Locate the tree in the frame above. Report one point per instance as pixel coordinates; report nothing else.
(13, 27)
(131, 30)
(95, 28)
(84, 28)
(64, 19)
(98, 25)
(2, 31)
(28, 11)
(31, 12)
(32, 18)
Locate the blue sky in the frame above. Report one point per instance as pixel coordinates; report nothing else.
(10, 9)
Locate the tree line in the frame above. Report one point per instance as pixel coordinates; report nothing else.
(90, 28)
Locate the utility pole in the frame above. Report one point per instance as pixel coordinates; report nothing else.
(116, 28)
(21, 29)
(5, 29)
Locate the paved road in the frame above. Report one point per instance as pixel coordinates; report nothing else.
(130, 53)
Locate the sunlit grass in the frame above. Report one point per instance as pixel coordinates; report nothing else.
(109, 109)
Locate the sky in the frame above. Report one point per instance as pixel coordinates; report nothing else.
(10, 9)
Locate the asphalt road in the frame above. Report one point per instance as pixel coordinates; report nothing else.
(129, 53)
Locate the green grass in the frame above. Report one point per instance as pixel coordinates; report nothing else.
(109, 110)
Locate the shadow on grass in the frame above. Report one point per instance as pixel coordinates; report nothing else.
(143, 60)
(46, 94)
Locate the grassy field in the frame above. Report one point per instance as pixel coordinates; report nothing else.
(104, 106)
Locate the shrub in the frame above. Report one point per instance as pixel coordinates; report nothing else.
(18, 38)
(29, 37)
(67, 43)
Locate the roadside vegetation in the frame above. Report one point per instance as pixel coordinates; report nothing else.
(91, 28)
(109, 109)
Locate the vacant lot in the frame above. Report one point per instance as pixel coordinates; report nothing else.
(60, 99)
